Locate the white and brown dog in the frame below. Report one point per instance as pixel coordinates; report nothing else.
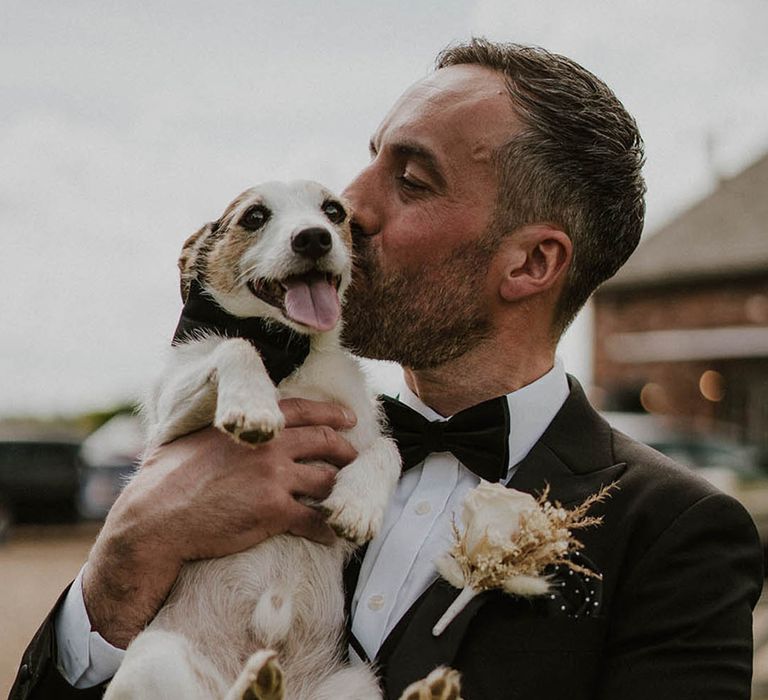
(280, 258)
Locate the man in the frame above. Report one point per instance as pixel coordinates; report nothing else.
(502, 189)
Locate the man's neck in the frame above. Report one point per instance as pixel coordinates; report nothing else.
(476, 377)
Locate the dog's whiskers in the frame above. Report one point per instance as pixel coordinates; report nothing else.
(245, 276)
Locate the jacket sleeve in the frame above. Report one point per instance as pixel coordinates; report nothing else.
(38, 678)
(682, 622)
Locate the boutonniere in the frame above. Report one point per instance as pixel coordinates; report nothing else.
(508, 541)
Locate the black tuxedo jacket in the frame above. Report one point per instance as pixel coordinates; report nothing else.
(681, 569)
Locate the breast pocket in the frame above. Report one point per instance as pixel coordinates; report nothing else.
(532, 626)
(514, 651)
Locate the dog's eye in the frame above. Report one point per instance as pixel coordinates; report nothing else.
(255, 217)
(334, 211)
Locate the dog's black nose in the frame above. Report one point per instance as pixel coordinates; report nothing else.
(312, 243)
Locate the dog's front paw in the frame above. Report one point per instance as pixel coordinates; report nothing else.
(352, 519)
(261, 679)
(442, 684)
(252, 426)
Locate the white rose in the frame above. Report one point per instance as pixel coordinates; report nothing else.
(491, 516)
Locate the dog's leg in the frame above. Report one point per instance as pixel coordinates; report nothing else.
(261, 679)
(164, 665)
(219, 381)
(355, 508)
(357, 682)
(185, 400)
(442, 684)
(246, 404)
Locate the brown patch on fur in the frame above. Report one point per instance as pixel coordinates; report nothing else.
(224, 257)
(224, 253)
(438, 687)
(234, 205)
(191, 260)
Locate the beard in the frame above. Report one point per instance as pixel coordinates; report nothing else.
(418, 318)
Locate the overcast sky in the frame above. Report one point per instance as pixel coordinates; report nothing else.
(126, 125)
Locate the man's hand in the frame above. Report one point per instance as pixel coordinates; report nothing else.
(205, 496)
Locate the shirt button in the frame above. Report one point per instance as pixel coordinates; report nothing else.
(422, 508)
(376, 602)
(25, 673)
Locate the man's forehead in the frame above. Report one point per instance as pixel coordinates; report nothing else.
(456, 97)
(470, 80)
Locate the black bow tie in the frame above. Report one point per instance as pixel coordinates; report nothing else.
(477, 436)
(281, 348)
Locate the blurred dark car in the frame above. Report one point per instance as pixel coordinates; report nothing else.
(100, 486)
(39, 481)
(108, 458)
(723, 460)
(733, 467)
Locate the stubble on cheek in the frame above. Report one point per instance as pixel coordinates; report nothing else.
(419, 318)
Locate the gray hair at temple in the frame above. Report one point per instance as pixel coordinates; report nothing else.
(576, 164)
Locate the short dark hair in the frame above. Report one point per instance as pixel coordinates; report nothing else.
(576, 164)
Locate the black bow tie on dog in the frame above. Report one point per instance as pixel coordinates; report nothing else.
(477, 436)
(282, 349)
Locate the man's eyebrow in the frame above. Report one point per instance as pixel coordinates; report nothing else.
(418, 152)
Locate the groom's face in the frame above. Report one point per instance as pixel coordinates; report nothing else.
(423, 209)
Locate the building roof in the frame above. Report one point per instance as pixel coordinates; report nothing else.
(724, 235)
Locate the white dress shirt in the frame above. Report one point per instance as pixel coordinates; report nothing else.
(398, 565)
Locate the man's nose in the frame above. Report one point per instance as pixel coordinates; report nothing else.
(362, 195)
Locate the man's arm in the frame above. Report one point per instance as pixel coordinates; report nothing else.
(202, 496)
(681, 625)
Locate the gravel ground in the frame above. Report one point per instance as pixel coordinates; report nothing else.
(37, 562)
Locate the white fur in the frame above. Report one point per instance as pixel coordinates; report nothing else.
(212, 637)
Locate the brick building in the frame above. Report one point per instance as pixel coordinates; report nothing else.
(682, 329)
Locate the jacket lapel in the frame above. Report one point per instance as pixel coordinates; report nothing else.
(575, 458)
(350, 576)
(574, 455)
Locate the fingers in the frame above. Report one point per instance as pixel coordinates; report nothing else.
(310, 434)
(319, 443)
(303, 412)
(307, 522)
(313, 482)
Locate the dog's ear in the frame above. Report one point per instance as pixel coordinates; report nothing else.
(192, 258)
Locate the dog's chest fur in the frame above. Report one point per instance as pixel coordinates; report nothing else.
(311, 573)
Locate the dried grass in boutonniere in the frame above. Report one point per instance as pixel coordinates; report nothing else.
(510, 538)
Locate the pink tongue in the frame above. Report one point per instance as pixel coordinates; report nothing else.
(313, 301)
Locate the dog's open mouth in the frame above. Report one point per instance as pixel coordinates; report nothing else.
(311, 299)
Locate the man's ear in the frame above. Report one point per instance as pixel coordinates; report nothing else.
(534, 259)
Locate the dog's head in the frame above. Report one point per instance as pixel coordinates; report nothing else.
(281, 251)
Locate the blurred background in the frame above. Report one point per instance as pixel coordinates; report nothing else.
(128, 125)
